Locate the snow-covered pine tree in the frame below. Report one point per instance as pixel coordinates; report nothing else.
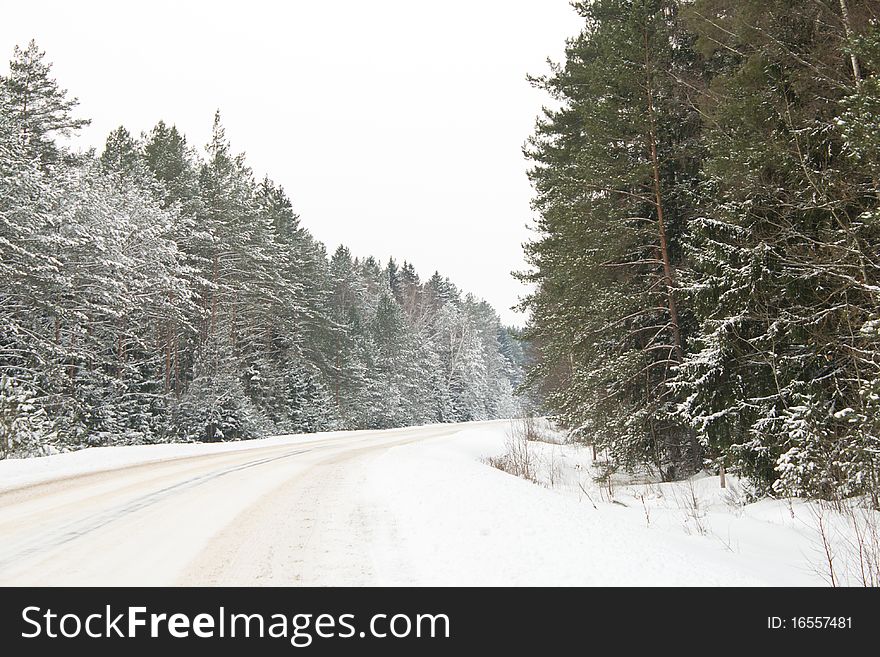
(42, 110)
(614, 168)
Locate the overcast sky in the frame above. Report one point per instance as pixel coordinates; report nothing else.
(396, 126)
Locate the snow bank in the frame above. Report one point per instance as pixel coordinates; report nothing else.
(458, 521)
(462, 522)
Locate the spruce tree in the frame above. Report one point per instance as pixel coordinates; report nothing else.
(785, 250)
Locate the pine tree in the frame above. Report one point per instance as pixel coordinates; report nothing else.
(122, 155)
(41, 109)
(172, 164)
(615, 168)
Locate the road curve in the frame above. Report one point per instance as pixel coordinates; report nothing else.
(282, 515)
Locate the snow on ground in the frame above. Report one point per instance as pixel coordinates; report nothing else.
(418, 506)
(463, 522)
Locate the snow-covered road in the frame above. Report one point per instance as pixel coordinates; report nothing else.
(258, 514)
(414, 506)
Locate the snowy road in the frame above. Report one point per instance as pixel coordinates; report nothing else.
(414, 506)
(257, 516)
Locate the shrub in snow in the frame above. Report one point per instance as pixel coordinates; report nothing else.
(24, 429)
(215, 406)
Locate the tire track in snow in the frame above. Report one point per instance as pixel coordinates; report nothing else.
(81, 527)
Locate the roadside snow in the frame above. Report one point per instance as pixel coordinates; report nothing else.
(453, 520)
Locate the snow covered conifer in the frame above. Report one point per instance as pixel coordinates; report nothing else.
(41, 108)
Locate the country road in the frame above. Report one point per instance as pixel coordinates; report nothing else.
(401, 507)
(262, 515)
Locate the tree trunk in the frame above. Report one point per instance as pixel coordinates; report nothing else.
(176, 366)
(338, 374)
(847, 26)
(689, 457)
(167, 358)
(214, 274)
(668, 270)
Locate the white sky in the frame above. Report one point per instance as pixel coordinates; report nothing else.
(395, 126)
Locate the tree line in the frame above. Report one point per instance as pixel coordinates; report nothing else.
(153, 293)
(707, 253)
